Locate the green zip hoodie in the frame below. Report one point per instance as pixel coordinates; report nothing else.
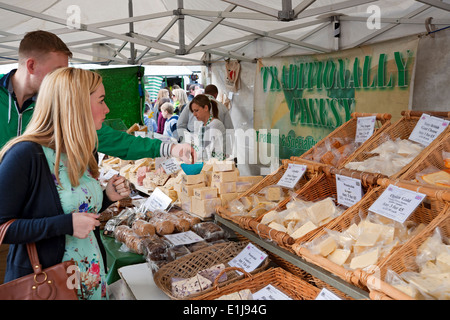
(111, 142)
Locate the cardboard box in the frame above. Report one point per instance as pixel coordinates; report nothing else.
(204, 208)
(205, 193)
(224, 187)
(188, 189)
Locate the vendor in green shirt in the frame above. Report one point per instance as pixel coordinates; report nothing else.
(41, 52)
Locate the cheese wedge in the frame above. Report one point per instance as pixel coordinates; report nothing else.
(304, 229)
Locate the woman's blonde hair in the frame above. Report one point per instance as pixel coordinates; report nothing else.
(62, 120)
(181, 96)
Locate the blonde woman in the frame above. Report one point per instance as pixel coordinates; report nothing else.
(180, 99)
(49, 181)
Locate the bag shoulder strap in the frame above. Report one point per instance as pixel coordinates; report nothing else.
(3, 229)
(31, 248)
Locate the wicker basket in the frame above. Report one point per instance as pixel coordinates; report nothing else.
(189, 265)
(348, 131)
(425, 213)
(269, 180)
(401, 129)
(432, 158)
(319, 187)
(294, 287)
(404, 259)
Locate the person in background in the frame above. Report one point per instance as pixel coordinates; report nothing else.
(161, 119)
(180, 100)
(191, 92)
(208, 128)
(163, 96)
(187, 119)
(50, 181)
(170, 126)
(148, 119)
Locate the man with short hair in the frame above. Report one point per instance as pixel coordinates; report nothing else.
(41, 52)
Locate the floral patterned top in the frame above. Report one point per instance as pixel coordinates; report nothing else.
(86, 197)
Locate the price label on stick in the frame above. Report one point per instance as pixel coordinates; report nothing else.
(427, 129)
(348, 189)
(364, 128)
(292, 175)
(158, 200)
(397, 203)
(171, 166)
(248, 259)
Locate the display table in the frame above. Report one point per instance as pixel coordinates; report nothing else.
(139, 279)
(117, 259)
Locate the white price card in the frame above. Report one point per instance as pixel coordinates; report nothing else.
(140, 134)
(364, 128)
(427, 129)
(348, 189)
(248, 259)
(111, 173)
(292, 175)
(397, 203)
(182, 238)
(171, 166)
(270, 292)
(326, 294)
(158, 200)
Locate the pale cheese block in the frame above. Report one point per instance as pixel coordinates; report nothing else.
(252, 179)
(224, 187)
(277, 226)
(188, 189)
(407, 289)
(243, 186)
(205, 193)
(204, 208)
(269, 217)
(364, 260)
(368, 238)
(298, 214)
(223, 166)
(274, 193)
(321, 210)
(227, 197)
(304, 229)
(326, 246)
(353, 231)
(339, 256)
(193, 179)
(125, 171)
(443, 261)
(225, 176)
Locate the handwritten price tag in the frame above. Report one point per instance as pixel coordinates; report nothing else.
(171, 166)
(427, 129)
(397, 203)
(248, 259)
(292, 175)
(348, 189)
(364, 128)
(158, 200)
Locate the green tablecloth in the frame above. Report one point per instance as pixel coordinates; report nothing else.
(117, 259)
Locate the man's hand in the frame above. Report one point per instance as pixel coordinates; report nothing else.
(184, 152)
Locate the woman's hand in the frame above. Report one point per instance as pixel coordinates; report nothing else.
(117, 188)
(83, 223)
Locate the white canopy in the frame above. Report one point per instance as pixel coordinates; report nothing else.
(194, 32)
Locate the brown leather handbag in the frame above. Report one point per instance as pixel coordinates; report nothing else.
(52, 283)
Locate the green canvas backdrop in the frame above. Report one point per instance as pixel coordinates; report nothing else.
(122, 94)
